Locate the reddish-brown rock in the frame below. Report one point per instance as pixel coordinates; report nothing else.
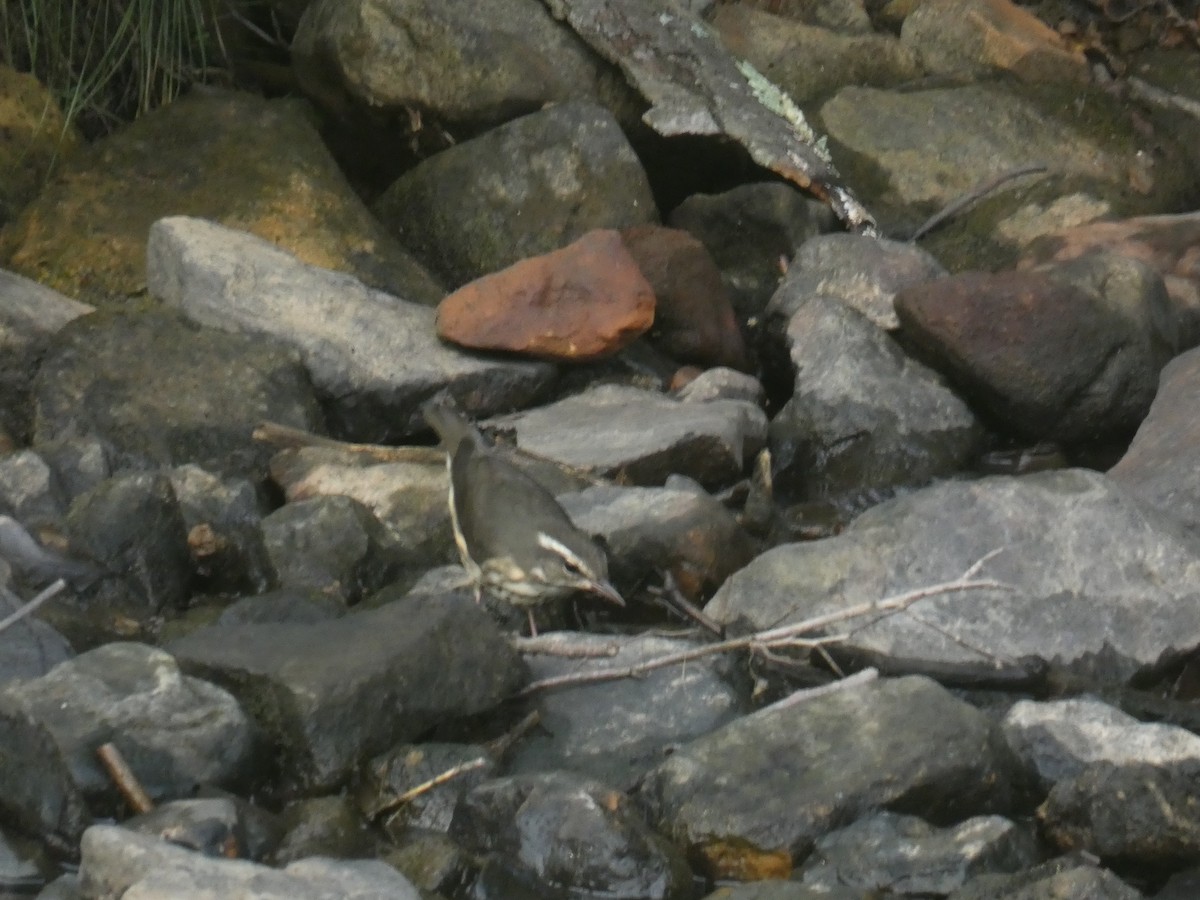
(583, 302)
(694, 320)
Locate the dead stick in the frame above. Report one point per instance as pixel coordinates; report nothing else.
(426, 786)
(956, 206)
(33, 605)
(122, 776)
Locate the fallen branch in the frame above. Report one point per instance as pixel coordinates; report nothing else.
(426, 786)
(786, 636)
(122, 776)
(33, 605)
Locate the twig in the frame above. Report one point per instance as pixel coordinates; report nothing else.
(504, 743)
(33, 605)
(426, 786)
(1142, 90)
(954, 207)
(122, 776)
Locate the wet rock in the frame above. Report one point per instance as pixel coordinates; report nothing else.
(646, 436)
(444, 59)
(332, 545)
(29, 648)
(752, 231)
(721, 383)
(1120, 601)
(572, 833)
(433, 862)
(408, 495)
(323, 826)
(694, 320)
(252, 164)
(373, 357)
(1046, 358)
(332, 694)
(30, 314)
(118, 862)
(863, 416)
(157, 390)
(1163, 456)
(406, 767)
(175, 732)
(132, 527)
(583, 302)
(981, 37)
(1167, 243)
(864, 273)
(296, 605)
(1127, 812)
(1071, 877)
(678, 529)
(811, 62)
(617, 730)
(780, 778)
(1058, 739)
(528, 187)
(906, 855)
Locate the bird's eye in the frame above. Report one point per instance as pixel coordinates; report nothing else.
(572, 567)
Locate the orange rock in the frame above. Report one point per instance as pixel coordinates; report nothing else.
(583, 302)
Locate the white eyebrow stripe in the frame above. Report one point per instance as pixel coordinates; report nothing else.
(548, 543)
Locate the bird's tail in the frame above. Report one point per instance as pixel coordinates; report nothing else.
(449, 423)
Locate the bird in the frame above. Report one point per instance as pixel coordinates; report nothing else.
(513, 537)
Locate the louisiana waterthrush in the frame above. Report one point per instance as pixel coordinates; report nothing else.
(514, 538)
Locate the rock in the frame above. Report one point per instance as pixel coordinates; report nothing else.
(1083, 605)
(842, 18)
(907, 856)
(981, 37)
(528, 187)
(121, 863)
(30, 314)
(175, 732)
(1160, 462)
(408, 766)
(298, 606)
(721, 383)
(694, 320)
(583, 302)
(864, 273)
(752, 231)
(146, 385)
(809, 62)
(615, 731)
(1046, 358)
(1166, 243)
(252, 164)
(323, 826)
(30, 648)
(372, 357)
(774, 889)
(1125, 812)
(1070, 877)
(780, 778)
(1058, 739)
(863, 417)
(677, 529)
(646, 436)
(332, 694)
(210, 825)
(28, 490)
(445, 60)
(570, 832)
(332, 545)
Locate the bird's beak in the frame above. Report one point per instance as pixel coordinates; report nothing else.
(607, 591)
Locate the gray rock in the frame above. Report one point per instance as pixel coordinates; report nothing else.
(28, 648)
(863, 416)
(28, 491)
(780, 890)
(64, 887)
(324, 826)
(175, 732)
(721, 383)
(333, 545)
(572, 832)
(749, 230)
(444, 59)
(209, 825)
(616, 730)
(646, 435)
(864, 273)
(408, 766)
(30, 314)
(1127, 593)
(299, 606)
(786, 775)
(905, 855)
(1072, 877)
(528, 187)
(1058, 739)
(147, 386)
(1161, 462)
(373, 357)
(121, 863)
(332, 694)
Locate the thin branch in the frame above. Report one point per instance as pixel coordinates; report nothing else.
(954, 207)
(33, 605)
(426, 786)
(122, 776)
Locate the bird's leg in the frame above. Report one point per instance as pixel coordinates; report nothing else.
(532, 624)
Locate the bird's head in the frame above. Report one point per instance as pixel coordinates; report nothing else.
(573, 562)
